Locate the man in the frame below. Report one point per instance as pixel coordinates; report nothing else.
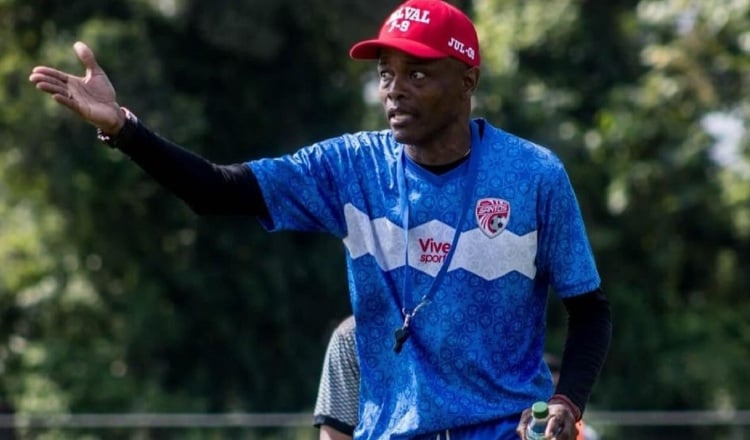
(454, 231)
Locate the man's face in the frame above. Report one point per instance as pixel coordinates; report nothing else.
(422, 98)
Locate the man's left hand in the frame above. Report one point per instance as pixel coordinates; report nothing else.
(561, 426)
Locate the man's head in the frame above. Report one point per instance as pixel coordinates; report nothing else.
(428, 64)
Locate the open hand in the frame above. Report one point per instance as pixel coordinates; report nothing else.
(92, 97)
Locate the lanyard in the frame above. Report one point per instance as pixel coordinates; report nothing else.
(402, 333)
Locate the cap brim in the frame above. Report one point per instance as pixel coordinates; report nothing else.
(370, 49)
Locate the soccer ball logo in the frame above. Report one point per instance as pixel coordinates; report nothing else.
(492, 216)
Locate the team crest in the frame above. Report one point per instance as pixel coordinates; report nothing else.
(492, 216)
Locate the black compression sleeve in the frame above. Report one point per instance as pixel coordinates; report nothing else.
(208, 189)
(586, 346)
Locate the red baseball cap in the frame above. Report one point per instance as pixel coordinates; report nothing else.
(424, 29)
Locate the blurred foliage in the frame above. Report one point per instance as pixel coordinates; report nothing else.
(114, 297)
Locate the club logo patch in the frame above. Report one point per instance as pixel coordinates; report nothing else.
(492, 216)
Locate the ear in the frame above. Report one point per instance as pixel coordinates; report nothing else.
(470, 80)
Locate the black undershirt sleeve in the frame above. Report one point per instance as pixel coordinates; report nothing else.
(207, 188)
(586, 346)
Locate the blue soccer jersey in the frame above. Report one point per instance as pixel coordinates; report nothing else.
(478, 247)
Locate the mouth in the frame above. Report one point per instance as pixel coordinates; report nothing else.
(399, 117)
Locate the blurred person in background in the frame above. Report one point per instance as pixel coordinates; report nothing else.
(337, 404)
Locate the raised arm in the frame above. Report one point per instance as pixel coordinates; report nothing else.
(208, 188)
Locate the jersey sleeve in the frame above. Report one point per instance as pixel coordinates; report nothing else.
(303, 191)
(337, 404)
(565, 253)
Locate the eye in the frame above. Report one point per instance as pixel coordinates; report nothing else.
(418, 75)
(385, 75)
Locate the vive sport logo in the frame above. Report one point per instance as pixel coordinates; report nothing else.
(433, 251)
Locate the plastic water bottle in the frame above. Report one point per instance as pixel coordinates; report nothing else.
(538, 424)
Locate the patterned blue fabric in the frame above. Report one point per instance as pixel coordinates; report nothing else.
(475, 351)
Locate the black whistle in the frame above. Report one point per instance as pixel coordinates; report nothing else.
(400, 335)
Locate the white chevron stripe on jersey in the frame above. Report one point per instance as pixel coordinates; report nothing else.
(380, 238)
(489, 258)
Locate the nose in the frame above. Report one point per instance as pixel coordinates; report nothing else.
(394, 89)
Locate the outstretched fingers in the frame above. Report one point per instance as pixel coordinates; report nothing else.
(50, 72)
(43, 75)
(46, 77)
(54, 82)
